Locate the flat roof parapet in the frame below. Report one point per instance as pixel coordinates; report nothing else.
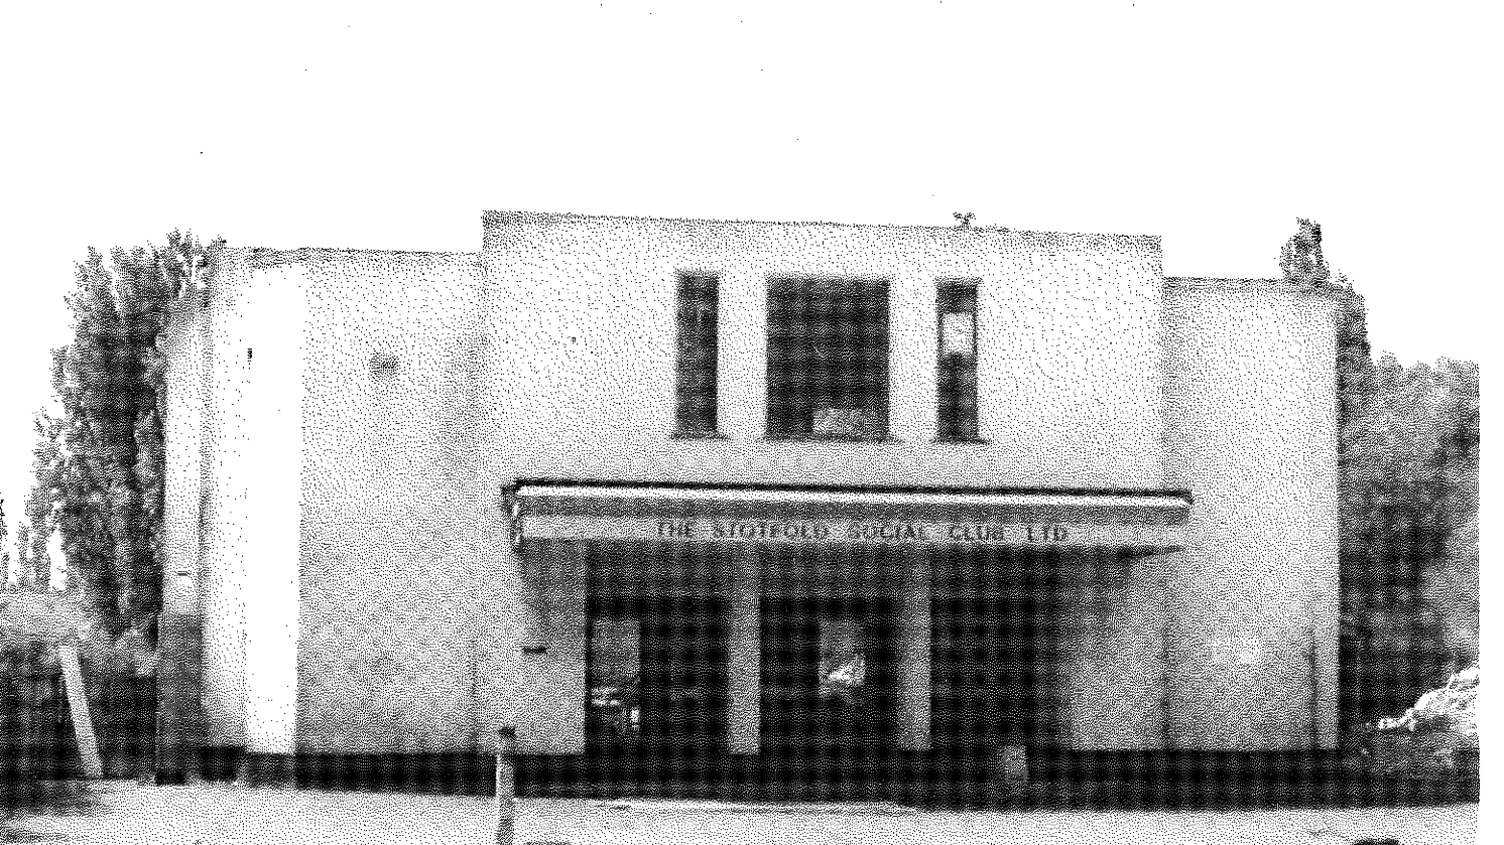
(547, 217)
(1192, 283)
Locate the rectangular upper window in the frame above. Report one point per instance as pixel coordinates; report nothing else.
(828, 358)
(956, 367)
(698, 326)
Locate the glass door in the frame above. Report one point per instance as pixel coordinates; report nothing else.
(613, 666)
(828, 686)
(656, 687)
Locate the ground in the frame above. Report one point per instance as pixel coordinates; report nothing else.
(124, 812)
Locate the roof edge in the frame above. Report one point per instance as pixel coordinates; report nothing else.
(1191, 283)
(269, 257)
(546, 217)
(1145, 492)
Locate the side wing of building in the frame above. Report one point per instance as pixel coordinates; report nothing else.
(1252, 410)
(323, 436)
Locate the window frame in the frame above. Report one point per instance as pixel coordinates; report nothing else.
(879, 289)
(690, 375)
(948, 428)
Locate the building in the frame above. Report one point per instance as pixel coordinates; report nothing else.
(687, 497)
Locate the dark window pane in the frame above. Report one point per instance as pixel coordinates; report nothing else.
(956, 367)
(828, 358)
(615, 667)
(843, 661)
(698, 319)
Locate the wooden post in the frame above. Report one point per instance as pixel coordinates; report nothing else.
(78, 708)
(506, 785)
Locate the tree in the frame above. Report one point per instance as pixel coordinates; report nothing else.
(4, 534)
(1300, 259)
(107, 479)
(1357, 577)
(1412, 495)
(1449, 581)
(1355, 390)
(1407, 457)
(38, 523)
(23, 551)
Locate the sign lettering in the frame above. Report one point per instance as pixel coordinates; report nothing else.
(682, 529)
(850, 531)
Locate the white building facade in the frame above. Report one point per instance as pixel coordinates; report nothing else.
(749, 495)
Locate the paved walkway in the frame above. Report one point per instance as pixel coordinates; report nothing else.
(123, 812)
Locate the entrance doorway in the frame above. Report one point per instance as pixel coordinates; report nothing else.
(828, 686)
(655, 689)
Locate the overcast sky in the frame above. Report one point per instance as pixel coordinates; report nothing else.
(1211, 125)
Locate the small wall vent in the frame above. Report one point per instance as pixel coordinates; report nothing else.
(385, 364)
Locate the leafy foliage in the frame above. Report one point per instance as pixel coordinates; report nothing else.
(34, 562)
(1408, 441)
(105, 482)
(1412, 491)
(30, 617)
(4, 533)
(1300, 260)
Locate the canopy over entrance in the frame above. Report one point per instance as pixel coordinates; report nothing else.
(1146, 521)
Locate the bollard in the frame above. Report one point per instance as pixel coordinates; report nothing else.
(506, 784)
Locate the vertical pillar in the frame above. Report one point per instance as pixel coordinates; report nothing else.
(273, 533)
(744, 654)
(179, 626)
(1321, 649)
(551, 680)
(912, 315)
(511, 639)
(1115, 681)
(913, 670)
(506, 785)
(571, 630)
(743, 351)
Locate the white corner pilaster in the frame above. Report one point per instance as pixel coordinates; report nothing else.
(273, 415)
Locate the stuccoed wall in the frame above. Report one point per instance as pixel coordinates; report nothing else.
(581, 311)
(358, 595)
(247, 467)
(408, 592)
(1251, 399)
(226, 522)
(1071, 367)
(273, 426)
(546, 687)
(180, 669)
(182, 344)
(1112, 630)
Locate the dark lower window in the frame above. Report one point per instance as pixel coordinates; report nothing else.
(843, 662)
(956, 371)
(612, 706)
(698, 325)
(828, 358)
